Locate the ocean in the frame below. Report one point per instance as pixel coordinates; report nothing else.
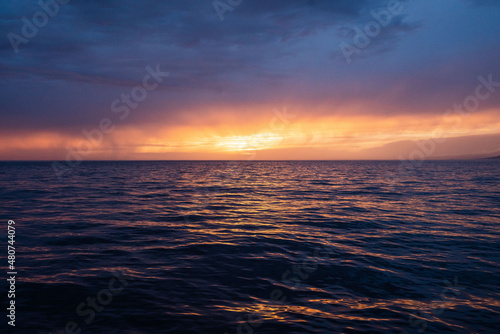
(253, 247)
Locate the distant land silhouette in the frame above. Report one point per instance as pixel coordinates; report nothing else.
(493, 155)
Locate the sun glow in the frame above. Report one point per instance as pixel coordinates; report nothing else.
(252, 142)
(335, 137)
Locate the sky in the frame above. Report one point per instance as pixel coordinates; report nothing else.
(249, 79)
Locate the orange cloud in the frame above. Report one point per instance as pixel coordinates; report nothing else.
(228, 137)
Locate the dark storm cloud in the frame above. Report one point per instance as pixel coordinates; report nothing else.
(385, 40)
(91, 51)
(110, 43)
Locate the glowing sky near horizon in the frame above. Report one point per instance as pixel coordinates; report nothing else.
(269, 80)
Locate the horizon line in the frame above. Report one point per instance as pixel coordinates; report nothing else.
(256, 160)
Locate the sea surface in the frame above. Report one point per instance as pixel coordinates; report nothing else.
(254, 247)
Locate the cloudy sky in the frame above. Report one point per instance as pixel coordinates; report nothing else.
(274, 79)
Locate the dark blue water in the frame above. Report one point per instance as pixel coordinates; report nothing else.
(255, 247)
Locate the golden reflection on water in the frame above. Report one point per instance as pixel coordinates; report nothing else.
(227, 239)
(341, 309)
